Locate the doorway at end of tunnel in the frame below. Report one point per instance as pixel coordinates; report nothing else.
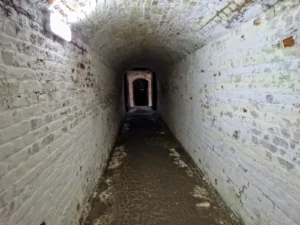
(140, 92)
(140, 88)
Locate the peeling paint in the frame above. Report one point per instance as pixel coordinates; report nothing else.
(289, 42)
(256, 22)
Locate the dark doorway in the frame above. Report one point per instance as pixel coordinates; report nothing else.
(140, 90)
(127, 89)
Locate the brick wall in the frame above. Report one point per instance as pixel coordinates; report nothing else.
(58, 120)
(234, 105)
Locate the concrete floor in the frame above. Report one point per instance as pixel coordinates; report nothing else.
(150, 180)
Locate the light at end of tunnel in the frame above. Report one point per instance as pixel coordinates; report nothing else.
(58, 27)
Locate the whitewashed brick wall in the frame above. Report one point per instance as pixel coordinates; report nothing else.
(58, 121)
(235, 107)
(234, 104)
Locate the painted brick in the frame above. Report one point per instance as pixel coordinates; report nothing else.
(53, 121)
(156, 27)
(233, 104)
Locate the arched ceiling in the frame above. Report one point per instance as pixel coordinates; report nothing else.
(133, 32)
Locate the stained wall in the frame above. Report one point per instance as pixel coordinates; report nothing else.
(234, 105)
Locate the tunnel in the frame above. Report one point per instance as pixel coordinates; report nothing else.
(153, 112)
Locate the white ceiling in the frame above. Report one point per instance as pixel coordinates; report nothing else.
(129, 32)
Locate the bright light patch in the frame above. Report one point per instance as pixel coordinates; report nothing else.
(60, 28)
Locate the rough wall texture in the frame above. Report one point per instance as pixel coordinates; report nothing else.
(234, 105)
(58, 121)
(155, 32)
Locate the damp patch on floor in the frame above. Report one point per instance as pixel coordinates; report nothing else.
(118, 155)
(151, 180)
(161, 142)
(200, 192)
(106, 196)
(189, 172)
(176, 157)
(209, 202)
(103, 198)
(104, 219)
(203, 205)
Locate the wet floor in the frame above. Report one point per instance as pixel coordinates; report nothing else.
(150, 180)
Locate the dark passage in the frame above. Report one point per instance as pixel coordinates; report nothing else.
(150, 180)
(140, 90)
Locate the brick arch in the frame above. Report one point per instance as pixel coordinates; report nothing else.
(144, 77)
(134, 75)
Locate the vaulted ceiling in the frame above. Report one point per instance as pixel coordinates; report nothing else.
(133, 32)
